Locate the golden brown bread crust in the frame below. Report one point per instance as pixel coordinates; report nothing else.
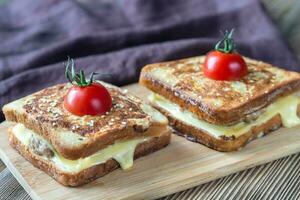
(224, 143)
(200, 95)
(74, 153)
(120, 123)
(92, 173)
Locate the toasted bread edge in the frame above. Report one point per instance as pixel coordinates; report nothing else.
(224, 144)
(85, 148)
(89, 174)
(226, 117)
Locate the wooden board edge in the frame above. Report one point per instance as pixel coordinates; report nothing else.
(194, 180)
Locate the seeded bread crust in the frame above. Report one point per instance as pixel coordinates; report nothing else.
(89, 174)
(224, 143)
(196, 97)
(120, 123)
(85, 149)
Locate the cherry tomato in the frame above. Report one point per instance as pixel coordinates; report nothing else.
(93, 99)
(224, 66)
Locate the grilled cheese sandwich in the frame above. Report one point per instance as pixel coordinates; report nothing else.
(75, 150)
(223, 114)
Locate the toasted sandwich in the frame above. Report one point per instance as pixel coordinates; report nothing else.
(223, 115)
(74, 149)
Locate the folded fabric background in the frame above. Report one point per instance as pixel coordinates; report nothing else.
(121, 36)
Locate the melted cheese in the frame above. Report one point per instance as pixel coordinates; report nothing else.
(286, 107)
(155, 115)
(121, 151)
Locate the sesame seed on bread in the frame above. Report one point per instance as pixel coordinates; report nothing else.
(76, 137)
(219, 102)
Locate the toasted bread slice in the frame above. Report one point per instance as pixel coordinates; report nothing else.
(284, 112)
(87, 175)
(76, 137)
(219, 102)
(224, 144)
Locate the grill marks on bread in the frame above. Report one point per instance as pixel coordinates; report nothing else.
(192, 82)
(46, 106)
(219, 102)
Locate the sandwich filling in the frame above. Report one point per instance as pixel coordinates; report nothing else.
(121, 151)
(285, 106)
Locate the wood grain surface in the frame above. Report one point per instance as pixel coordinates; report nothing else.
(181, 165)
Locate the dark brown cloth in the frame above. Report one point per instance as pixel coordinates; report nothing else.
(121, 36)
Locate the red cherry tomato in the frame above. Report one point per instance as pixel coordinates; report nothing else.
(93, 99)
(224, 66)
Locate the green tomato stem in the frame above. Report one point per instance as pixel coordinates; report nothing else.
(226, 44)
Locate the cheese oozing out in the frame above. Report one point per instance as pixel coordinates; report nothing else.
(285, 106)
(121, 151)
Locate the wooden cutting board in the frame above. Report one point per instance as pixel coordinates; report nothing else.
(181, 165)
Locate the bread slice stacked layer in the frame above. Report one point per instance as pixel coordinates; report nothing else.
(224, 115)
(76, 150)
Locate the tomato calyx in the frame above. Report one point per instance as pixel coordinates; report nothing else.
(77, 78)
(224, 63)
(226, 44)
(85, 97)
